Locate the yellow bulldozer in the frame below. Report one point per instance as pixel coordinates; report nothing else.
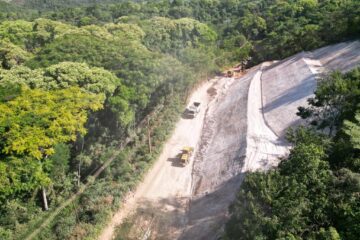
(185, 155)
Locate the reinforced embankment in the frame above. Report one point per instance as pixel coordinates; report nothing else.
(289, 83)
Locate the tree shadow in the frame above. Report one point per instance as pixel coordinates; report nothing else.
(303, 90)
(209, 211)
(158, 219)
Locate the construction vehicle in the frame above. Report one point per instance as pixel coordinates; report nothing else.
(193, 110)
(186, 155)
(230, 74)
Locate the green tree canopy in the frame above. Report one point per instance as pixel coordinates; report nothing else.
(63, 75)
(170, 35)
(35, 121)
(32, 124)
(12, 55)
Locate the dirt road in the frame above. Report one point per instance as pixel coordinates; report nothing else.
(219, 162)
(166, 188)
(231, 138)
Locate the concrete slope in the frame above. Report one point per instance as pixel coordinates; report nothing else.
(223, 139)
(342, 56)
(289, 83)
(286, 86)
(264, 148)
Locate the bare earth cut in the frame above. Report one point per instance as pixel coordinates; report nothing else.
(240, 128)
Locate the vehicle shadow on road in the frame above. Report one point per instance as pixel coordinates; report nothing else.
(175, 162)
(186, 115)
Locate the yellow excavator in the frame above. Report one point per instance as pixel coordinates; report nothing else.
(185, 155)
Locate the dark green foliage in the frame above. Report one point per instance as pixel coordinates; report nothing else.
(169, 35)
(275, 29)
(58, 169)
(345, 203)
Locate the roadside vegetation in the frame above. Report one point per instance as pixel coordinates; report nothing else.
(83, 84)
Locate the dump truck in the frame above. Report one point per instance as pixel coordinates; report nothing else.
(193, 109)
(186, 155)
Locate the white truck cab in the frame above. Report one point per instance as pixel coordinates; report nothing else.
(193, 109)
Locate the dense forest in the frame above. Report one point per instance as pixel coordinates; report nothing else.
(85, 84)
